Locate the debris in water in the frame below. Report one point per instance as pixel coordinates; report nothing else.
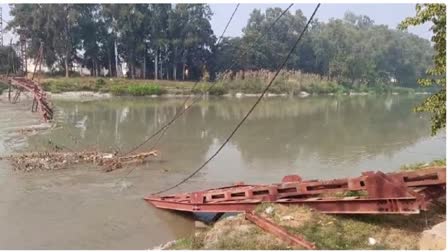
(123, 185)
(61, 160)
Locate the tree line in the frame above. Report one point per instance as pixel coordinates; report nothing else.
(176, 42)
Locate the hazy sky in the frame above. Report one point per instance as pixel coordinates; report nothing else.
(388, 14)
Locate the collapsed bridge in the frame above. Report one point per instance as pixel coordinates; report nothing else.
(407, 192)
(18, 85)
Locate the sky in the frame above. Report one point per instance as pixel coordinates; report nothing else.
(388, 14)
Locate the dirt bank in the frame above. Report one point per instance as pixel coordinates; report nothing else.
(79, 96)
(326, 231)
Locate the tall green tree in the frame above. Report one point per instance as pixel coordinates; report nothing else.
(55, 25)
(9, 61)
(436, 103)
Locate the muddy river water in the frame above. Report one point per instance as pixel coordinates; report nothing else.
(84, 208)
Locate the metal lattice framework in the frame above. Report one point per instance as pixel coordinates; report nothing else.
(406, 192)
(23, 83)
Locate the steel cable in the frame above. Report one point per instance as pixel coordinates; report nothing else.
(186, 100)
(250, 110)
(185, 108)
(165, 127)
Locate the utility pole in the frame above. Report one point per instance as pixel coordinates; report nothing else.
(1, 26)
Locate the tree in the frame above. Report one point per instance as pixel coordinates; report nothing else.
(436, 103)
(9, 61)
(162, 41)
(56, 25)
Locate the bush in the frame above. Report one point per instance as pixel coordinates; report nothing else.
(99, 84)
(148, 89)
(201, 88)
(118, 90)
(136, 89)
(217, 89)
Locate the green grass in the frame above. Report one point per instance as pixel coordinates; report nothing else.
(141, 90)
(251, 82)
(421, 165)
(115, 86)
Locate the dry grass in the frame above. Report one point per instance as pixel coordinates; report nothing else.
(417, 166)
(326, 231)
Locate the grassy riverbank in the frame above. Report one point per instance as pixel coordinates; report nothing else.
(249, 84)
(330, 232)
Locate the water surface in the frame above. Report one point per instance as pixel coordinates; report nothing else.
(317, 137)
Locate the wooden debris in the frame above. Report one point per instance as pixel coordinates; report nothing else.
(61, 160)
(117, 163)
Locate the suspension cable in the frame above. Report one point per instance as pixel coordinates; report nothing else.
(250, 110)
(185, 108)
(227, 25)
(186, 100)
(234, 61)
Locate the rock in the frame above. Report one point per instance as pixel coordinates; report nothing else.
(435, 238)
(372, 241)
(200, 224)
(287, 218)
(269, 210)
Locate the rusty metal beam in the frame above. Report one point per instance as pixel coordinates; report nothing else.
(378, 193)
(40, 102)
(278, 231)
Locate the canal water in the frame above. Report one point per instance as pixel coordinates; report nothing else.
(84, 208)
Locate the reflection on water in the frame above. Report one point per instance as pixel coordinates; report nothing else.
(337, 136)
(319, 137)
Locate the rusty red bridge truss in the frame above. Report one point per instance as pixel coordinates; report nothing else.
(18, 85)
(406, 192)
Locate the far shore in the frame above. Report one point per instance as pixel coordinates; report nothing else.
(91, 88)
(91, 95)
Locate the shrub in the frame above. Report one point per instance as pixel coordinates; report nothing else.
(217, 89)
(200, 88)
(148, 89)
(118, 90)
(212, 89)
(99, 83)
